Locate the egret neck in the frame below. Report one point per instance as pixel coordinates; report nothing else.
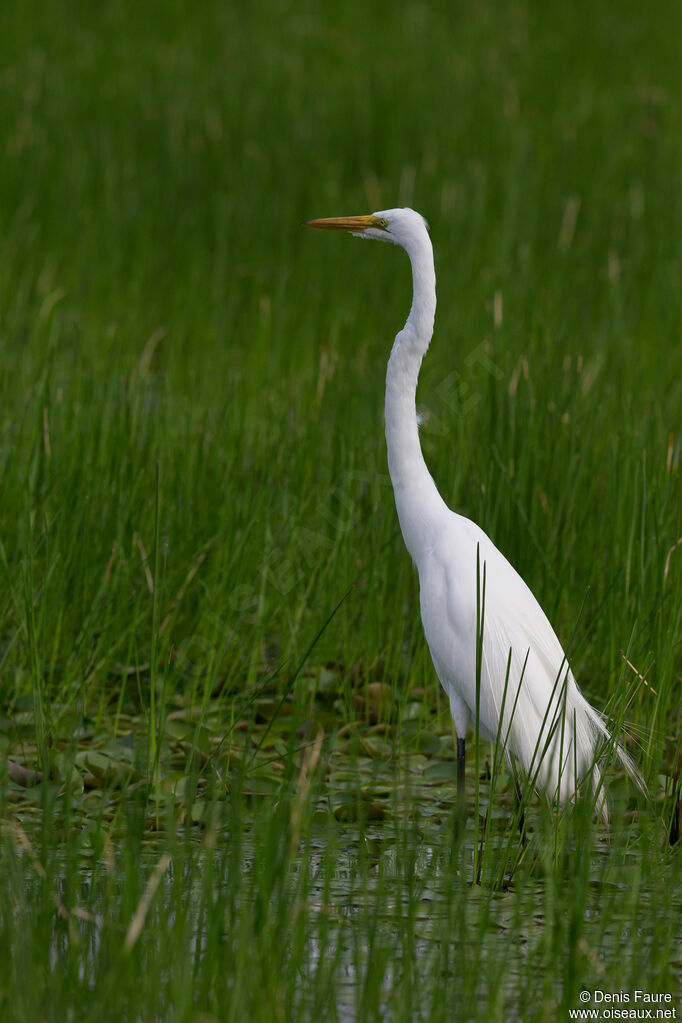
(417, 499)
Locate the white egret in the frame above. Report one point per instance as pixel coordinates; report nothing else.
(547, 724)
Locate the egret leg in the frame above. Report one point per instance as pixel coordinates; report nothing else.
(519, 804)
(461, 812)
(460, 770)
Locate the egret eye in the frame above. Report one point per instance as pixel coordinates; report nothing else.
(383, 222)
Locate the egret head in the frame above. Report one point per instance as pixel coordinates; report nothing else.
(400, 226)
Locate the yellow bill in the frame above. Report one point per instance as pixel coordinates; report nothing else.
(355, 224)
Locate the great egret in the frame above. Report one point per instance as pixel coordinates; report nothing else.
(547, 724)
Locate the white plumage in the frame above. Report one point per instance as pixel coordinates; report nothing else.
(547, 724)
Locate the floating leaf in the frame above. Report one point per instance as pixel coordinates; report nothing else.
(354, 806)
(103, 769)
(262, 783)
(423, 742)
(440, 771)
(413, 711)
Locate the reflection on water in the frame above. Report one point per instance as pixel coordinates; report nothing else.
(376, 909)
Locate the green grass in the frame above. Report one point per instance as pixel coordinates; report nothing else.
(210, 638)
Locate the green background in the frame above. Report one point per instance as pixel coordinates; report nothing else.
(192, 456)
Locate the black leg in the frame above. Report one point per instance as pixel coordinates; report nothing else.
(519, 803)
(460, 770)
(460, 817)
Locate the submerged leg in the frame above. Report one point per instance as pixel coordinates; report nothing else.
(519, 804)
